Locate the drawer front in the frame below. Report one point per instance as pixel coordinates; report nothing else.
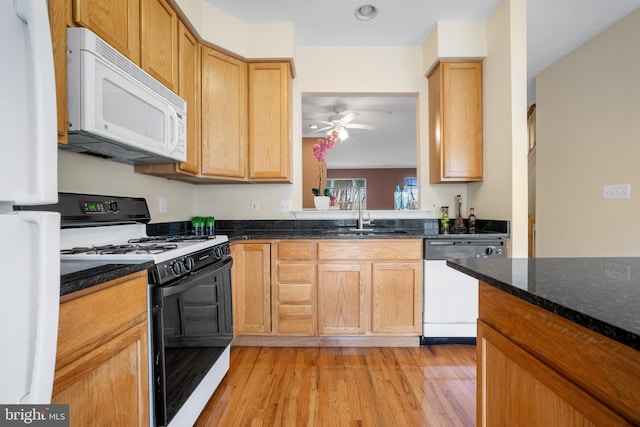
(373, 250)
(295, 250)
(295, 273)
(295, 293)
(91, 320)
(295, 320)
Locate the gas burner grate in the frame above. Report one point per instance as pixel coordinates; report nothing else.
(121, 249)
(171, 238)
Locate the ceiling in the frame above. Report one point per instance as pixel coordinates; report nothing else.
(554, 28)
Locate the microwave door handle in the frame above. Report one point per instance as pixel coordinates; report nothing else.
(173, 125)
(35, 15)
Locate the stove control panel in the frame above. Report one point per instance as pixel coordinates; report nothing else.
(102, 207)
(173, 269)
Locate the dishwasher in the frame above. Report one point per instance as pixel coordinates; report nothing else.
(450, 297)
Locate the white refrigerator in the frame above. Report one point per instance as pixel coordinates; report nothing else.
(29, 240)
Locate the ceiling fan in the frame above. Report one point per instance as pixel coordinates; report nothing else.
(340, 121)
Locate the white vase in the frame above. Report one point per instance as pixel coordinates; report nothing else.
(321, 202)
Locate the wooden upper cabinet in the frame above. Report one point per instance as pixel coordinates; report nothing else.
(224, 116)
(115, 21)
(159, 36)
(58, 22)
(455, 122)
(189, 90)
(269, 121)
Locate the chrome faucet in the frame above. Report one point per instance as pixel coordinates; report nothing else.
(361, 220)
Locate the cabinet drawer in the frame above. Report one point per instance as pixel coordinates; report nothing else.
(92, 320)
(374, 250)
(295, 320)
(298, 250)
(295, 273)
(295, 293)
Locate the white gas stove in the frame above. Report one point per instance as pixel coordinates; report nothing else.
(190, 310)
(130, 243)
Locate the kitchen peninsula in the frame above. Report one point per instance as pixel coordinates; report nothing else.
(558, 340)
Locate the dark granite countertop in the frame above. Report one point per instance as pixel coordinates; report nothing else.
(601, 294)
(78, 275)
(344, 229)
(349, 234)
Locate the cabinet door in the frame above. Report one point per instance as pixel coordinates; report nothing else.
(189, 90)
(224, 116)
(515, 388)
(58, 23)
(342, 298)
(397, 298)
(102, 357)
(109, 385)
(455, 122)
(269, 121)
(159, 34)
(251, 288)
(115, 21)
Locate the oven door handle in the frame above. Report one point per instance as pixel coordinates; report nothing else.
(195, 278)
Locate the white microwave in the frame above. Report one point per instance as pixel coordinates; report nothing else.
(117, 110)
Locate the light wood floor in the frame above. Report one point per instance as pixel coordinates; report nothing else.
(420, 386)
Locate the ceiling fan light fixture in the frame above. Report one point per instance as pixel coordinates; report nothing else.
(313, 126)
(343, 134)
(366, 12)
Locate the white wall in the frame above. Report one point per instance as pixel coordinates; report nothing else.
(81, 173)
(588, 134)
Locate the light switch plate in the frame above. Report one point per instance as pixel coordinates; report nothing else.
(162, 205)
(621, 191)
(285, 205)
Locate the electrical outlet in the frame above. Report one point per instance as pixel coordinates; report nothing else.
(255, 206)
(622, 191)
(617, 271)
(285, 205)
(162, 204)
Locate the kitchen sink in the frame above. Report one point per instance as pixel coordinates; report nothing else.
(369, 231)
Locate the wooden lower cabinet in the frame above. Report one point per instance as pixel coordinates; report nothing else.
(396, 297)
(251, 283)
(538, 369)
(380, 280)
(102, 363)
(294, 284)
(343, 294)
(327, 288)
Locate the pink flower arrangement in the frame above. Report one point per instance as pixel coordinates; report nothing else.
(320, 150)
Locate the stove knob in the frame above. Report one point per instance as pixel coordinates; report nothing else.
(189, 264)
(176, 268)
(488, 251)
(113, 206)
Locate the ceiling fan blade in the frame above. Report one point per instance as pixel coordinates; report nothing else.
(324, 128)
(347, 118)
(359, 126)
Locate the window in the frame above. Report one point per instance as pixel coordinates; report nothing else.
(412, 185)
(345, 192)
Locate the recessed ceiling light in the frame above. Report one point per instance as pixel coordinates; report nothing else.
(366, 12)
